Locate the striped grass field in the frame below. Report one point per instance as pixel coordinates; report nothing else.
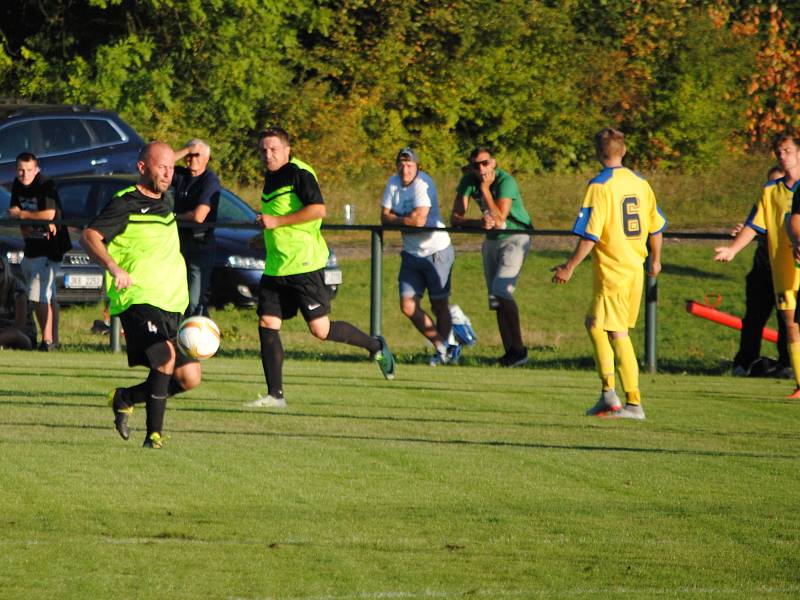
(456, 482)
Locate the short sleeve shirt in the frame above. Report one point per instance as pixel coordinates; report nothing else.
(191, 192)
(503, 186)
(619, 213)
(402, 200)
(113, 219)
(768, 216)
(40, 195)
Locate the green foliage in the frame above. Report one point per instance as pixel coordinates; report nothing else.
(354, 80)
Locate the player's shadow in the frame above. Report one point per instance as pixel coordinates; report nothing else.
(433, 442)
(685, 271)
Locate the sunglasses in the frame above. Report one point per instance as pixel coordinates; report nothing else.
(475, 164)
(192, 155)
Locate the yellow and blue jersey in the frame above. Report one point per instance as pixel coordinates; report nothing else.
(768, 216)
(619, 212)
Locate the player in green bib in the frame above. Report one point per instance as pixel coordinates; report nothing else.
(292, 210)
(135, 239)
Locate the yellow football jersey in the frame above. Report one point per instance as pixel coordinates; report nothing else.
(768, 216)
(619, 212)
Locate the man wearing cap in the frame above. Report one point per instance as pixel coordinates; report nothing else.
(508, 228)
(410, 200)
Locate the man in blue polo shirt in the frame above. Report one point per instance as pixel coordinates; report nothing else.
(197, 191)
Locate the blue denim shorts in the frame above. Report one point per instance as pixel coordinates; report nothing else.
(430, 272)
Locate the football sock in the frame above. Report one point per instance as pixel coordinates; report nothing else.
(603, 357)
(138, 394)
(272, 360)
(157, 402)
(634, 398)
(628, 367)
(794, 357)
(345, 333)
(174, 388)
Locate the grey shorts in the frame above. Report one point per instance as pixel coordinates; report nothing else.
(430, 272)
(40, 279)
(502, 263)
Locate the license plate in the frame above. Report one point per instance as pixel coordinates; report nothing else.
(83, 281)
(333, 277)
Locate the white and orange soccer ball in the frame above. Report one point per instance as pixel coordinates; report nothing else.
(198, 337)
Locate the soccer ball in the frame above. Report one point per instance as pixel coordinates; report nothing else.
(198, 337)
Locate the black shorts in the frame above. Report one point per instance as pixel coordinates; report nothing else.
(146, 325)
(283, 295)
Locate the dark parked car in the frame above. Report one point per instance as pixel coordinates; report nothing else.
(66, 139)
(239, 260)
(78, 280)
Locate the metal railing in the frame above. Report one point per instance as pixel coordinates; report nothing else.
(376, 269)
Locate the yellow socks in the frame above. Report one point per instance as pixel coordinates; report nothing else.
(603, 357)
(794, 358)
(629, 368)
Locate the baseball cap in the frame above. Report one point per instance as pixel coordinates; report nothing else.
(407, 153)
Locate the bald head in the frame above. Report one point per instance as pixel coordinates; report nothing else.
(156, 165)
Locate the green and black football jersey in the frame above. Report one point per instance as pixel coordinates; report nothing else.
(142, 238)
(292, 249)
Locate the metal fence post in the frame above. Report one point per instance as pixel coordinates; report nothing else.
(114, 334)
(376, 282)
(650, 316)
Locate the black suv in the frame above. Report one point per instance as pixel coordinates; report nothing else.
(66, 140)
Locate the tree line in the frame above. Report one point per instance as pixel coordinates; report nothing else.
(353, 80)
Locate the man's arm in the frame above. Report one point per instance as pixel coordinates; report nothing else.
(310, 212)
(92, 242)
(458, 216)
(563, 273)
(656, 241)
(793, 229)
(45, 215)
(416, 218)
(727, 253)
(198, 215)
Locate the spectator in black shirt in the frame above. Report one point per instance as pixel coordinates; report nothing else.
(197, 190)
(34, 196)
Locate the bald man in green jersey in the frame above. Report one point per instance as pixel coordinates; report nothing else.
(135, 239)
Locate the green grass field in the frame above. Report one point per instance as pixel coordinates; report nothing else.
(469, 482)
(457, 482)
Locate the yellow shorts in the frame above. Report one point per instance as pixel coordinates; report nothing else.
(618, 310)
(786, 300)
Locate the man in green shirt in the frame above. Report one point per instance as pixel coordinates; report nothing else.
(135, 239)
(292, 210)
(507, 242)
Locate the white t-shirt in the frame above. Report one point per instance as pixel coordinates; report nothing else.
(402, 200)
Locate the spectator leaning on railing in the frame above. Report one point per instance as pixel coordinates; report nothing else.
(410, 200)
(506, 246)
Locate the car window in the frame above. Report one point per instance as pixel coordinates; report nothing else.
(106, 191)
(63, 135)
(232, 209)
(105, 132)
(75, 200)
(17, 138)
(5, 200)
